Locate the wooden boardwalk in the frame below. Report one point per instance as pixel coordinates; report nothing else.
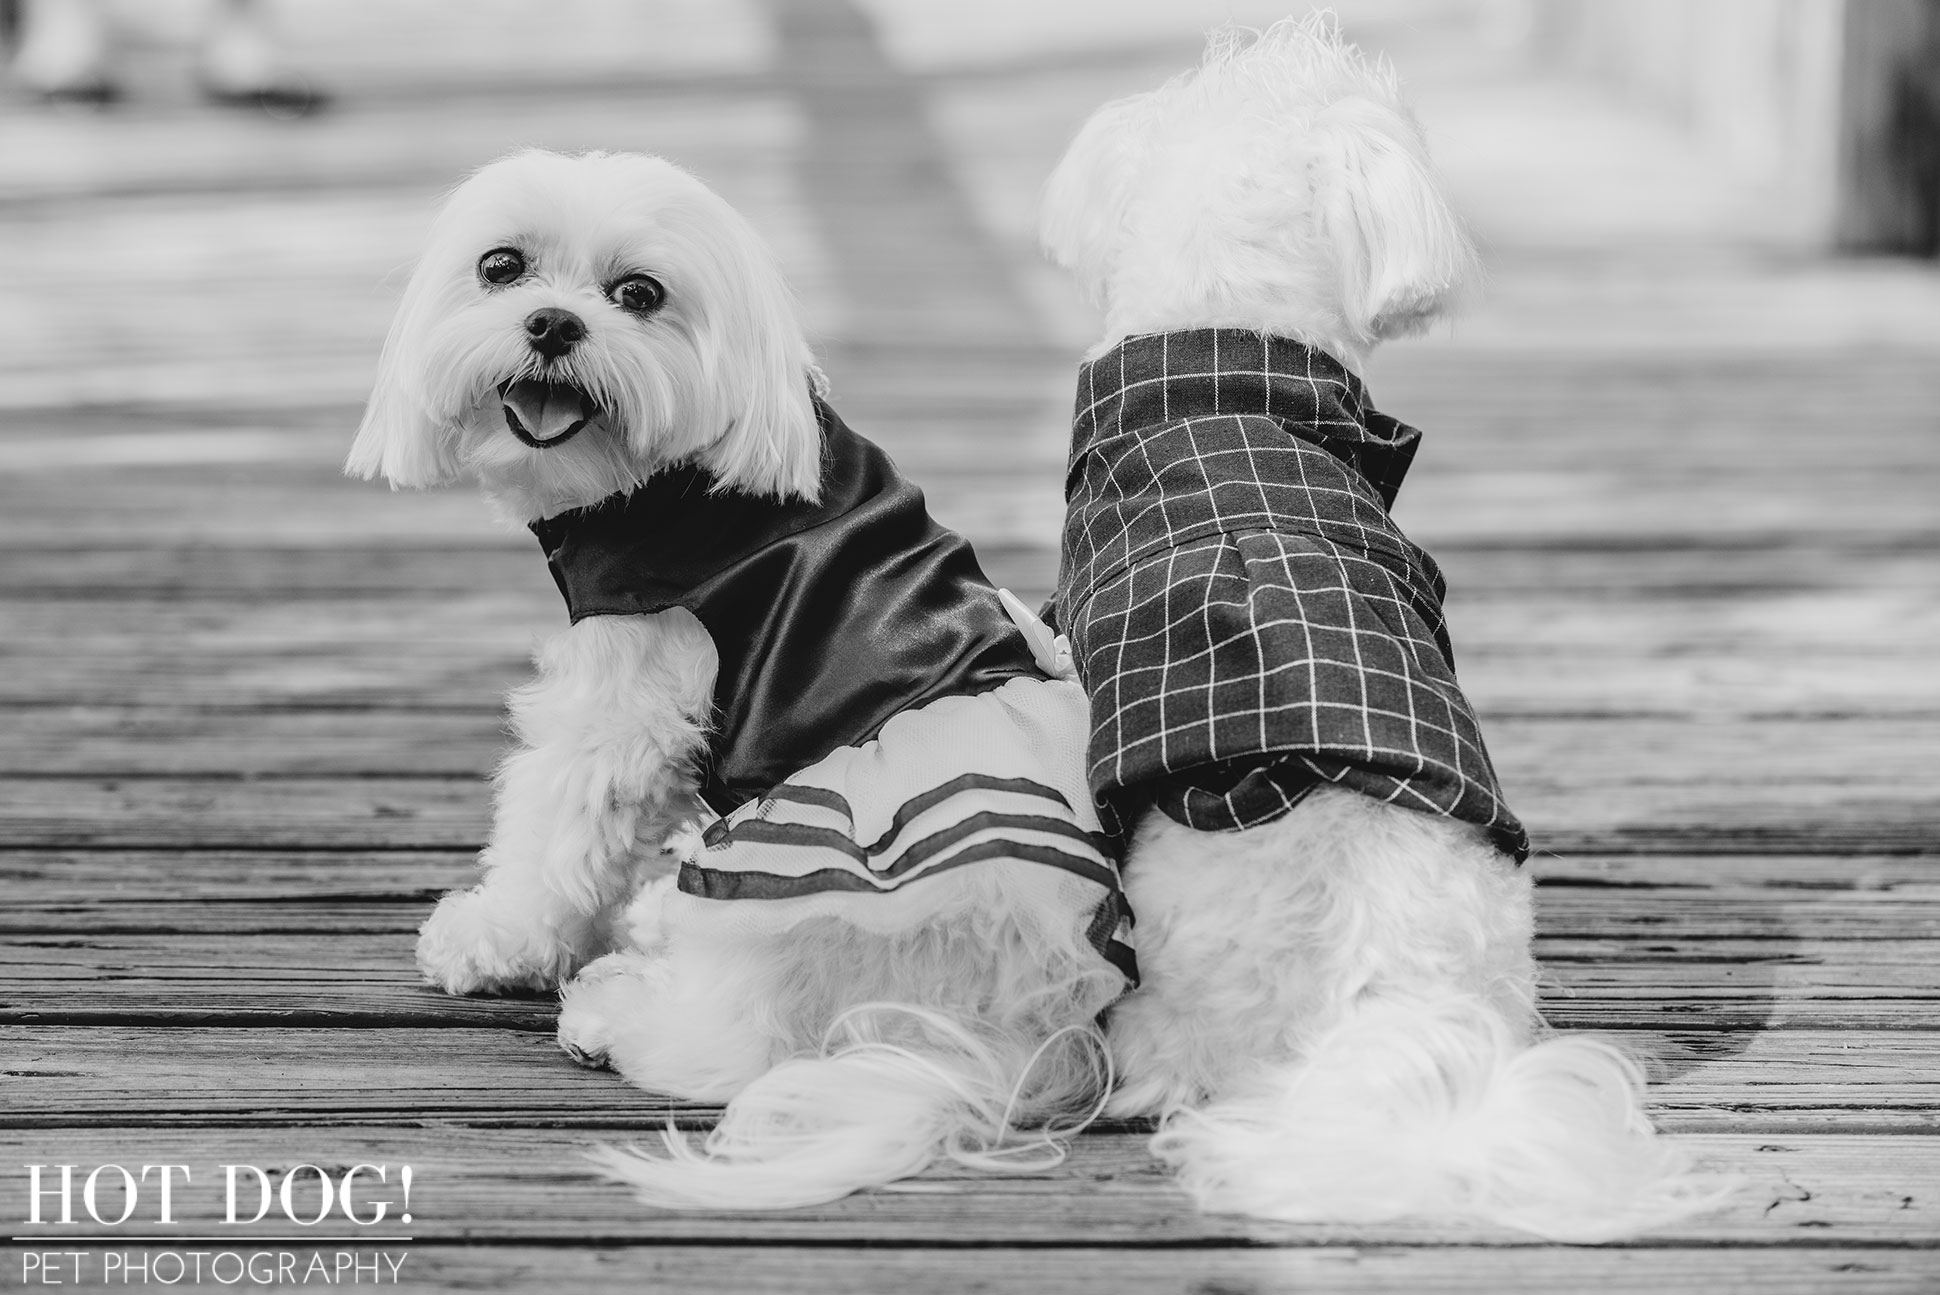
(1682, 477)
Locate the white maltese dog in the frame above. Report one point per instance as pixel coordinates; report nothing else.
(891, 922)
(1337, 1019)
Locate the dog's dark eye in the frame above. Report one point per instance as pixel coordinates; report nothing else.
(638, 293)
(501, 266)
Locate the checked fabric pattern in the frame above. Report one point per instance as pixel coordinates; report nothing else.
(1247, 618)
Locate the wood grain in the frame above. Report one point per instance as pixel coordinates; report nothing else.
(426, 659)
(392, 892)
(360, 977)
(953, 1270)
(510, 1186)
(1786, 1082)
(1659, 566)
(1576, 811)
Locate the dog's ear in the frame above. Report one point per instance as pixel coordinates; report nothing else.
(401, 438)
(1403, 253)
(759, 367)
(1082, 212)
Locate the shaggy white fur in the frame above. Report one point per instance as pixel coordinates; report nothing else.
(1281, 186)
(606, 732)
(848, 1055)
(851, 1057)
(1337, 1018)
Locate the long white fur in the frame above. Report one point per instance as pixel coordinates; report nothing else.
(870, 1109)
(979, 1017)
(851, 1057)
(1337, 1018)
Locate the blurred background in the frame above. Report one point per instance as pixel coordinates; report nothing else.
(1708, 335)
(1668, 174)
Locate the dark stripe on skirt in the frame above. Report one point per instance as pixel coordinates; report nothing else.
(965, 782)
(799, 835)
(713, 883)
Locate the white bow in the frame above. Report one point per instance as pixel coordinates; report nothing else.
(1052, 652)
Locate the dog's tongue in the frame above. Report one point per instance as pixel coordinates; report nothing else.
(546, 411)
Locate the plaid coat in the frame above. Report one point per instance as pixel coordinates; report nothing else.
(1247, 618)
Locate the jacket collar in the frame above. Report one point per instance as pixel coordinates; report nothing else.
(1155, 380)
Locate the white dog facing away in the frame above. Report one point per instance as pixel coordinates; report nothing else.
(895, 934)
(1337, 1015)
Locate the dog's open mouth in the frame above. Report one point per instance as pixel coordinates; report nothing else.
(543, 414)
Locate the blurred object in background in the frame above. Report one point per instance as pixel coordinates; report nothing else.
(68, 51)
(1833, 103)
(892, 151)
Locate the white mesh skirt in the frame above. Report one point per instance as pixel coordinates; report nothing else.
(966, 801)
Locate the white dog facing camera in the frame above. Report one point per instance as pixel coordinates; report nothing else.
(895, 934)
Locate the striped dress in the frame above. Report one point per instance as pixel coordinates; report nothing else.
(885, 748)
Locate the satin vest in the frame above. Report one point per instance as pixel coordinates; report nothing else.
(829, 617)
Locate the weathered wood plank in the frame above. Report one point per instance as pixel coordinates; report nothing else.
(951, 1270)
(203, 916)
(1637, 897)
(1648, 956)
(109, 877)
(1757, 925)
(1717, 683)
(414, 677)
(728, 1269)
(1569, 811)
(296, 812)
(1570, 771)
(365, 977)
(1589, 879)
(510, 614)
(1616, 567)
(520, 1185)
(1733, 917)
(1911, 875)
(1599, 622)
(1576, 925)
(1703, 1080)
(454, 673)
(1443, 504)
(347, 979)
(167, 505)
(67, 1076)
(138, 740)
(1540, 655)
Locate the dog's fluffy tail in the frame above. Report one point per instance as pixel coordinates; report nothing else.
(896, 1088)
(1436, 1109)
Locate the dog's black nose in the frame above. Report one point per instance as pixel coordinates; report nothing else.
(553, 331)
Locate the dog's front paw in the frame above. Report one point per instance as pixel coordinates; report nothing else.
(470, 945)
